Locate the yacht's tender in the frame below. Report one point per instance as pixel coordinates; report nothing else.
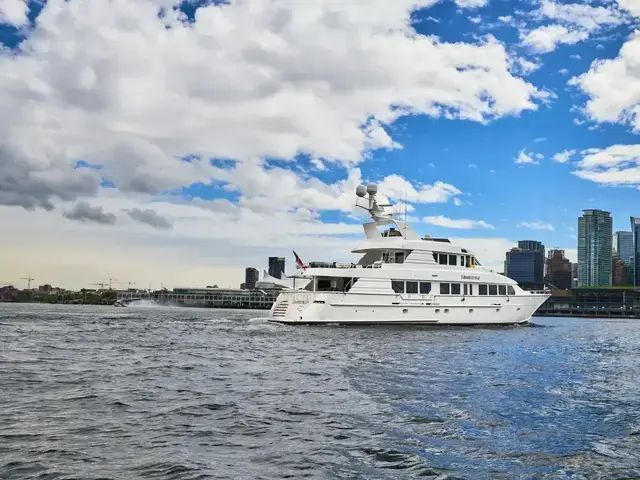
(403, 279)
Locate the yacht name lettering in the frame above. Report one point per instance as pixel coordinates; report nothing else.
(470, 277)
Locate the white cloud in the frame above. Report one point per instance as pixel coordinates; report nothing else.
(614, 165)
(582, 15)
(505, 18)
(146, 99)
(457, 202)
(563, 156)
(471, 3)
(563, 71)
(539, 156)
(396, 187)
(442, 221)
(14, 12)
(525, 158)
(473, 165)
(527, 66)
(632, 6)
(537, 225)
(572, 23)
(476, 20)
(545, 39)
(539, 139)
(613, 87)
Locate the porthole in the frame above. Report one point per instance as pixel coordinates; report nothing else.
(404, 310)
(497, 309)
(437, 310)
(470, 310)
(446, 310)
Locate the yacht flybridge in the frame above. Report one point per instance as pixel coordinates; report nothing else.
(403, 279)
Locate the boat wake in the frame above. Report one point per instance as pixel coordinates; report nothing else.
(143, 304)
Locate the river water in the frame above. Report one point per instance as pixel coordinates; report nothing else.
(177, 393)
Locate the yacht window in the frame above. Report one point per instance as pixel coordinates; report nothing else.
(444, 289)
(455, 288)
(425, 287)
(511, 290)
(350, 283)
(502, 289)
(411, 287)
(385, 257)
(470, 289)
(442, 259)
(463, 261)
(493, 289)
(399, 257)
(332, 284)
(397, 286)
(435, 257)
(482, 290)
(452, 259)
(465, 289)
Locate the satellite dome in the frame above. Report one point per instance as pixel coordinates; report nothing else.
(361, 190)
(372, 189)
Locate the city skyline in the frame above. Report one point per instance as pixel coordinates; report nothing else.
(185, 156)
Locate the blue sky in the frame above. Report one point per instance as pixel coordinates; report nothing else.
(241, 130)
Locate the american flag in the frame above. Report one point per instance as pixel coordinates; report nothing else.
(299, 263)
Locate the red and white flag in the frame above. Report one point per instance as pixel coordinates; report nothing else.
(299, 263)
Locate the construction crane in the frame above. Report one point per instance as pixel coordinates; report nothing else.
(100, 284)
(129, 285)
(28, 279)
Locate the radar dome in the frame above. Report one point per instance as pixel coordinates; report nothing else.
(372, 189)
(361, 190)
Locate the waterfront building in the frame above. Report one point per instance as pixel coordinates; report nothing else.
(635, 231)
(525, 264)
(520, 265)
(559, 270)
(595, 243)
(276, 266)
(618, 272)
(623, 245)
(251, 277)
(538, 247)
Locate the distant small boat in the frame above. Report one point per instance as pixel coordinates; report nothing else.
(119, 303)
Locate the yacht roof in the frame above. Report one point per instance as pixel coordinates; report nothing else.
(399, 243)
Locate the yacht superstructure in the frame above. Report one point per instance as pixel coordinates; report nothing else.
(404, 279)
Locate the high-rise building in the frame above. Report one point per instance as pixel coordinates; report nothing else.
(538, 247)
(251, 277)
(276, 266)
(635, 232)
(559, 270)
(520, 265)
(618, 272)
(623, 245)
(595, 239)
(574, 274)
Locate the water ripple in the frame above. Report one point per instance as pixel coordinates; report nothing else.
(100, 393)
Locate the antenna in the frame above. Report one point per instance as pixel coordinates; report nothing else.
(375, 210)
(28, 279)
(110, 279)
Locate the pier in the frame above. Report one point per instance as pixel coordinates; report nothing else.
(206, 298)
(603, 302)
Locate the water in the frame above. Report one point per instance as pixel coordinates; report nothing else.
(170, 393)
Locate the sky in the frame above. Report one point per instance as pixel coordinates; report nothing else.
(173, 143)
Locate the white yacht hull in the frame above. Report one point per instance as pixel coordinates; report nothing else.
(362, 309)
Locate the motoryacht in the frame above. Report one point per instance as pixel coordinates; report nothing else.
(402, 278)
